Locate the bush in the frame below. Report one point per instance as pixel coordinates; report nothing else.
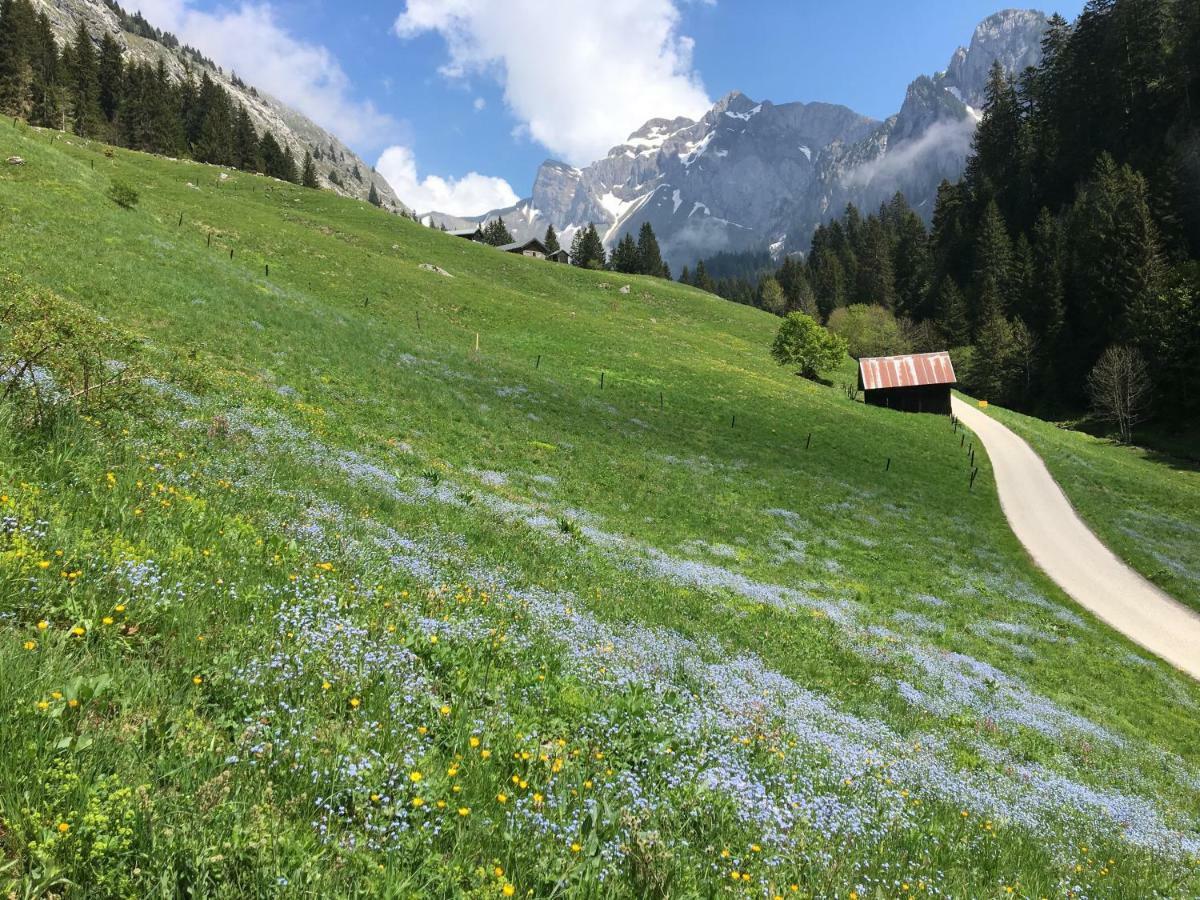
(803, 344)
(869, 331)
(56, 355)
(123, 194)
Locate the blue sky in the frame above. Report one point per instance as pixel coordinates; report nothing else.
(476, 93)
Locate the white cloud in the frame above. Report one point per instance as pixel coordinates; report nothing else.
(946, 143)
(480, 104)
(249, 40)
(470, 195)
(579, 75)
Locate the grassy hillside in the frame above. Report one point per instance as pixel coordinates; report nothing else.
(333, 603)
(1145, 506)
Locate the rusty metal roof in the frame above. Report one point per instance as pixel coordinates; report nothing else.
(914, 370)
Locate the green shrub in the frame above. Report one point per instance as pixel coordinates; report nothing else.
(123, 194)
(54, 355)
(869, 331)
(803, 344)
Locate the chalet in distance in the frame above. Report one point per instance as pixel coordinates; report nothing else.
(918, 382)
(533, 248)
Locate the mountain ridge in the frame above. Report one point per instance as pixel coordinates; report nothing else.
(753, 175)
(290, 127)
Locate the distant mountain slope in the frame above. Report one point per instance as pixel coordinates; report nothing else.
(757, 175)
(289, 127)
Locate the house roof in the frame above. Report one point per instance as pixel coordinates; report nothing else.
(523, 245)
(465, 232)
(913, 370)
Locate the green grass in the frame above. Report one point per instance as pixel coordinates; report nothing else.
(699, 646)
(1144, 505)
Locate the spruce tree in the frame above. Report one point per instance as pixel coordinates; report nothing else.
(309, 178)
(649, 257)
(551, 241)
(702, 279)
(17, 36)
(625, 257)
(245, 141)
(47, 76)
(111, 76)
(953, 323)
(84, 84)
(373, 196)
(992, 276)
(497, 234)
(685, 277)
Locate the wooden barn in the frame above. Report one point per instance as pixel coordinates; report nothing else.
(918, 382)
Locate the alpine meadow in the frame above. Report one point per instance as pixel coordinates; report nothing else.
(341, 556)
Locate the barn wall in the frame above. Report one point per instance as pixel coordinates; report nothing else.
(933, 398)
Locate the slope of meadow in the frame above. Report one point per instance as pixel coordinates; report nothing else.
(333, 602)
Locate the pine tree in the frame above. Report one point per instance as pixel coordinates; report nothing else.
(876, 278)
(1114, 256)
(992, 276)
(587, 250)
(47, 75)
(497, 234)
(309, 178)
(625, 257)
(685, 277)
(551, 241)
(952, 319)
(111, 75)
(17, 36)
(702, 279)
(649, 257)
(245, 141)
(84, 84)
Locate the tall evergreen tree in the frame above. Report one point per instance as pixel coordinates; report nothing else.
(992, 276)
(84, 84)
(17, 37)
(111, 74)
(625, 257)
(649, 257)
(551, 240)
(309, 178)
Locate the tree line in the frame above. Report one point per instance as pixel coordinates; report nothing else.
(1074, 230)
(629, 257)
(94, 92)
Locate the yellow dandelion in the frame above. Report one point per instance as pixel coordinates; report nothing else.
(31, 645)
(197, 679)
(503, 798)
(355, 703)
(417, 801)
(43, 625)
(575, 848)
(72, 703)
(64, 827)
(120, 607)
(474, 741)
(44, 564)
(43, 705)
(107, 620)
(445, 710)
(485, 754)
(433, 639)
(325, 685)
(78, 631)
(464, 811)
(508, 890)
(415, 777)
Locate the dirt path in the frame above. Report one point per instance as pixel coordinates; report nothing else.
(1065, 548)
